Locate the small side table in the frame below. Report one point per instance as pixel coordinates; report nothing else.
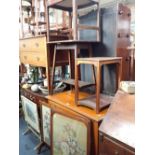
(75, 47)
(97, 101)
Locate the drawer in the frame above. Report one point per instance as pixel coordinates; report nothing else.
(112, 148)
(37, 44)
(34, 98)
(33, 58)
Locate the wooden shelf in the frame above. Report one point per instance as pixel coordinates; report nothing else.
(105, 101)
(81, 83)
(67, 4)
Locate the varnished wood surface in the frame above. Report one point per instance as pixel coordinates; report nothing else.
(38, 94)
(33, 51)
(66, 99)
(33, 44)
(119, 122)
(71, 41)
(81, 83)
(67, 4)
(97, 59)
(105, 101)
(31, 37)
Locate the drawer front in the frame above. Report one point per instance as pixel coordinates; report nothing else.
(112, 148)
(30, 96)
(36, 99)
(33, 58)
(37, 44)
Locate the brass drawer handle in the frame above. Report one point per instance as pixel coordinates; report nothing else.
(38, 59)
(25, 57)
(24, 45)
(36, 44)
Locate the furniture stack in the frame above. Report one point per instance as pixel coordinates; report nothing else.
(67, 122)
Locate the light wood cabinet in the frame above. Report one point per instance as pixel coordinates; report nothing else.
(33, 51)
(33, 44)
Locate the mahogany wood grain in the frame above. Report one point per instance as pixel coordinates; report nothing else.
(67, 100)
(118, 126)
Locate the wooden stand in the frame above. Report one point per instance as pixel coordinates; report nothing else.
(101, 101)
(72, 7)
(36, 98)
(70, 46)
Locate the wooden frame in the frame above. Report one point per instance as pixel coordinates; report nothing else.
(45, 115)
(73, 17)
(37, 99)
(101, 101)
(31, 116)
(70, 115)
(70, 46)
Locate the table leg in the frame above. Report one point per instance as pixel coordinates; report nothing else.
(118, 74)
(53, 68)
(96, 137)
(98, 87)
(76, 83)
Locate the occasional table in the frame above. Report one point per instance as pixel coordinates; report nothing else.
(97, 101)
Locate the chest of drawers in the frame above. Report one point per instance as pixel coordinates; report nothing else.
(33, 51)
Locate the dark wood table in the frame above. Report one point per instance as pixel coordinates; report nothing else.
(101, 101)
(70, 46)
